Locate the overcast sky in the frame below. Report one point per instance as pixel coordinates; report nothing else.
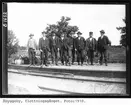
(26, 18)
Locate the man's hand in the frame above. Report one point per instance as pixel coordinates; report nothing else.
(75, 49)
(41, 50)
(58, 49)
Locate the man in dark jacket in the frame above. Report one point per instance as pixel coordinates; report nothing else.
(44, 48)
(102, 47)
(90, 47)
(70, 48)
(63, 42)
(54, 46)
(80, 46)
(74, 47)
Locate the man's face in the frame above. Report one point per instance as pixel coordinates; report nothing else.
(43, 35)
(102, 33)
(72, 34)
(79, 35)
(31, 36)
(62, 36)
(53, 34)
(91, 35)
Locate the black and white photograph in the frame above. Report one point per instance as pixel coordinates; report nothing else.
(66, 49)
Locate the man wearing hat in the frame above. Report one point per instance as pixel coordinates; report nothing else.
(63, 42)
(70, 47)
(102, 47)
(31, 46)
(80, 46)
(44, 49)
(90, 47)
(54, 46)
(74, 48)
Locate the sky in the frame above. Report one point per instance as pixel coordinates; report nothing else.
(26, 18)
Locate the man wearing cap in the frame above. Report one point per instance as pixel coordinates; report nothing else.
(80, 46)
(63, 42)
(44, 48)
(102, 47)
(90, 47)
(31, 46)
(54, 46)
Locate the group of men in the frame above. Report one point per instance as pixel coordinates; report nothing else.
(68, 47)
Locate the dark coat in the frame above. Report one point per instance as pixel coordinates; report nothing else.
(80, 44)
(44, 43)
(54, 42)
(74, 43)
(70, 42)
(64, 43)
(102, 44)
(91, 44)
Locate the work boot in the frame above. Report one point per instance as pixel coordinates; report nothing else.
(46, 64)
(41, 65)
(106, 64)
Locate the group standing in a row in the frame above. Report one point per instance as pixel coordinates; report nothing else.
(68, 47)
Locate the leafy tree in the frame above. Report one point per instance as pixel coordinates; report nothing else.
(12, 44)
(123, 34)
(60, 27)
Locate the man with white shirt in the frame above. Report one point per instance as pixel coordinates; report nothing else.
(90, 47)
(102, 46)
(31, 46)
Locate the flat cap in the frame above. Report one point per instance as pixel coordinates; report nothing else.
(31, 35)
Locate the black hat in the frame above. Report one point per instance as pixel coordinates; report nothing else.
(102, 31)
(43, 32)
(31, 35)
(90, 32)
(79, 33)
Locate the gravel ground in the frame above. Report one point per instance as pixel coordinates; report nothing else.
(27, 84)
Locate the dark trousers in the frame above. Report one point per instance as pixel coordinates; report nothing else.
(44, 56)
(54, 54)
(70, 55)
(103, 53)
(80, 56)
(64, 55)
(73, 55)
(31, 53)
(90, 54)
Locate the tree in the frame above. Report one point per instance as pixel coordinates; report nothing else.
(60, 27)
(123, 34)
(12, 44)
